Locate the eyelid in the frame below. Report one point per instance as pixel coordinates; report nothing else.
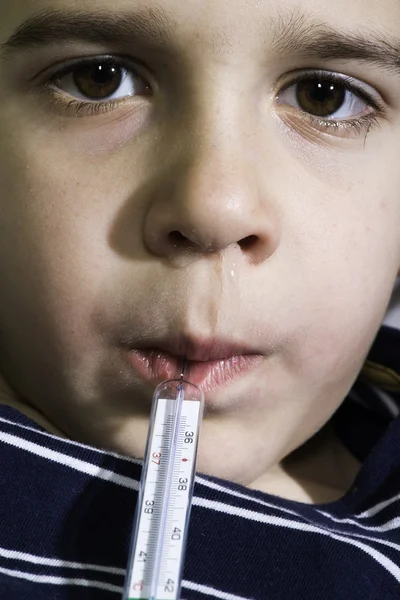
(53, 82)
(352, 127)
(356, 86)
(57, 72)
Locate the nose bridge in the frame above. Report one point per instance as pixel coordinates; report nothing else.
(217, 126)
(210, 197)
(220, 107)
(214, 171)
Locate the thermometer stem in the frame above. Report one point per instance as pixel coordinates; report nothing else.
(160, 530)
(168, 485)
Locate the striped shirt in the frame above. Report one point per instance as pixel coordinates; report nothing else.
(66, 512)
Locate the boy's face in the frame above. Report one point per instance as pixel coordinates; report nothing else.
(228, 181)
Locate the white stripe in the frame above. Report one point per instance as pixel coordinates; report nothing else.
(371, 512)
(68, 461)
(393, 313)
(129, 459)
(105, 474)
(50, 580)
(381, 528)
(209, 591)
(387, 401)
(375, 540)
(359, 400)
(54, 562)
(368, 513)
(392, 524)
(95, 471)
(383, 560)
(388, 526)
(248, 497)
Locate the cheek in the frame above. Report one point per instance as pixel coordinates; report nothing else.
(104, 136)
(339, 256)
(51, 238)
(345, 217)
(356, 254)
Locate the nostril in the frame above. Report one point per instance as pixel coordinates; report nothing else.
(176, 238)
(248, 243)
(255, 248)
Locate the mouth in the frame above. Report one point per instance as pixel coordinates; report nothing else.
(212, 364)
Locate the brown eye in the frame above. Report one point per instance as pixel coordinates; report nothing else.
(320, 98)
(98, 82)
(329, 96)
(101, 80)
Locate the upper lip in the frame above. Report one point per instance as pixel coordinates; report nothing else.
(205, 350)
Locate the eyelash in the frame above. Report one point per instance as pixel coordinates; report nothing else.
(88, 108)
(337, 127)
(355, 126)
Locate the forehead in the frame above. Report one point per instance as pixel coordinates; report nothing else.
(231, 20)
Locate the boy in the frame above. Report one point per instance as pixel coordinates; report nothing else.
(214, 179)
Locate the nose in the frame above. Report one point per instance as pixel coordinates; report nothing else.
(209, 200)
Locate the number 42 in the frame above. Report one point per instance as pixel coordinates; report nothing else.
(169, 586)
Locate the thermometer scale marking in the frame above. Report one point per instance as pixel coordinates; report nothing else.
(179, 502)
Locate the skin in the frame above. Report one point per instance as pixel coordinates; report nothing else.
(88, 204)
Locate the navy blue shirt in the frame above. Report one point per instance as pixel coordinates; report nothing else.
(66, 512)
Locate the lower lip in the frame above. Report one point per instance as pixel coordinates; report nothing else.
(155, 367)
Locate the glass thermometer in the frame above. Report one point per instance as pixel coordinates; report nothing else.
(161, 524)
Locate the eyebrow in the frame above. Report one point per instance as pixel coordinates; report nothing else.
(298, 35)
(151, 26)
(292, 35)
